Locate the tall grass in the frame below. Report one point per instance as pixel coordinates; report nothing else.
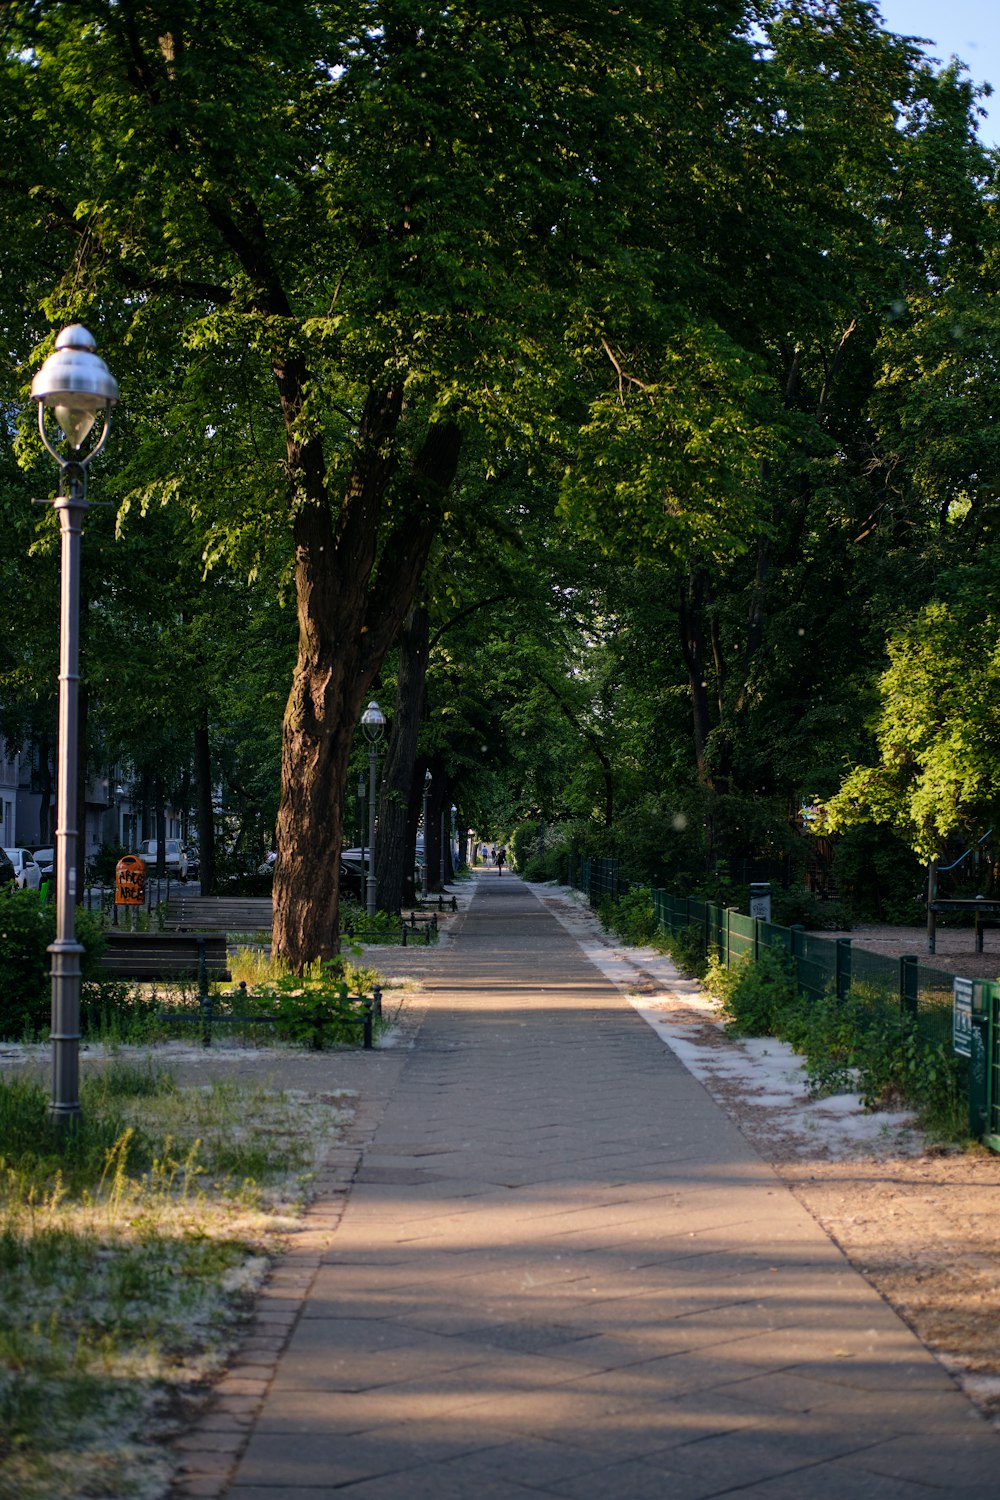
(127, 1246)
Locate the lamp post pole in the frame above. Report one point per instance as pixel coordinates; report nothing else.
(361, 815)
(373, 724)
(428, 778)
(77, 384)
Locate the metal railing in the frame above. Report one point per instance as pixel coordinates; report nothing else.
(887, 987)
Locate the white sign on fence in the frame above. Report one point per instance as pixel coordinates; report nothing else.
(961, 1017)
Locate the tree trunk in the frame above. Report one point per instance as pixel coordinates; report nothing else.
(436, 799)
(352, 599)
(400, 759)
(161, 828)
(206, 811)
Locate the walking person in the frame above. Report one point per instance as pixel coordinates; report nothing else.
(501, 859)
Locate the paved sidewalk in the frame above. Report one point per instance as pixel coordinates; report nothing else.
(562, 1271)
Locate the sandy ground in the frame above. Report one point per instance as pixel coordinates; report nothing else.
(955, 947)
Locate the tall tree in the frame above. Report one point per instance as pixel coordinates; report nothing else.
(385, 214)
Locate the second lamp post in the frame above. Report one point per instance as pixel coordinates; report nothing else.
(373, 724)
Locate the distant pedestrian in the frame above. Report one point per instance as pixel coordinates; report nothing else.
(493, 855)
(501, 859)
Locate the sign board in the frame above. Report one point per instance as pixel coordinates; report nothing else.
(130, 881)
(961, 1017)
(760, 901)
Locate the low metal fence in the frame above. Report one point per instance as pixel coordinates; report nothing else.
(823, 966)
(889, 987)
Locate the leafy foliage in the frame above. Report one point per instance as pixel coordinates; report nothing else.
(315, 1010)
(27, 928)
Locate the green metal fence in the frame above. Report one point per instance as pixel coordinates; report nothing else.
(833, 966)
(823, 966)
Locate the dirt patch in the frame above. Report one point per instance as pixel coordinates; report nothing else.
(955, 947)
(923, 1231)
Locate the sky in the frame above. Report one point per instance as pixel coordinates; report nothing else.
(968, 29)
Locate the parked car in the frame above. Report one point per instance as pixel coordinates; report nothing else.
(352, 879)
(8, 877)
(26, 872)
(175, 857)
(45, 859)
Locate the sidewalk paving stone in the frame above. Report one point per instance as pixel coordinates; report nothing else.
(561, 1270)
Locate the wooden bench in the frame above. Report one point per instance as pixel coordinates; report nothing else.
(166, 955)
(218, 913)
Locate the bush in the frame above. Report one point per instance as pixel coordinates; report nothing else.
(314, 1009)
(754, 995)
(799, 906)
(687, 950)
(527, 843)
(631, 916)
(878, 876)
(27, 927)
(547, 866)
(102, 863)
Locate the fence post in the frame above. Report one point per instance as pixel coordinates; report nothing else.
(843, 967)
(205, 1002)
(908, 984)
(979, 1081)
(795, 948)
(202, 968)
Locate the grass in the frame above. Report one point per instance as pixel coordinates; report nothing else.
(128, 1253)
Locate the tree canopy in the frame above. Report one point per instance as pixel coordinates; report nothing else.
(669, 328)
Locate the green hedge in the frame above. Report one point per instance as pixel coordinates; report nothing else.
(27, 927)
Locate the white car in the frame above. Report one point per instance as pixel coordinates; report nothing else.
(26, 871)
(175, 860)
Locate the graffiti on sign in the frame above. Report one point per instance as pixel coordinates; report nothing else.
(130, 881)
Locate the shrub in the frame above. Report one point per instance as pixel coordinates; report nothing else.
(799, 906)
(102, 863)
(878, 876)
(754, 995)
(687, 950)
(314, 1009)
(630, 916)
(527, 843)
(27, 927)
(547, 866)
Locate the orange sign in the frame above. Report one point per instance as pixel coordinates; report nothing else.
(130, 881)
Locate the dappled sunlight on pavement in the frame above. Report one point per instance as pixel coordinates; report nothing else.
(563, 1271)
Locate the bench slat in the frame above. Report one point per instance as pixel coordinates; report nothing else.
(164, 955)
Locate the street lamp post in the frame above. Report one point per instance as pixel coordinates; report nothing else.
(361, 815)
(373, 724)
(76, 383)
(428, 778)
